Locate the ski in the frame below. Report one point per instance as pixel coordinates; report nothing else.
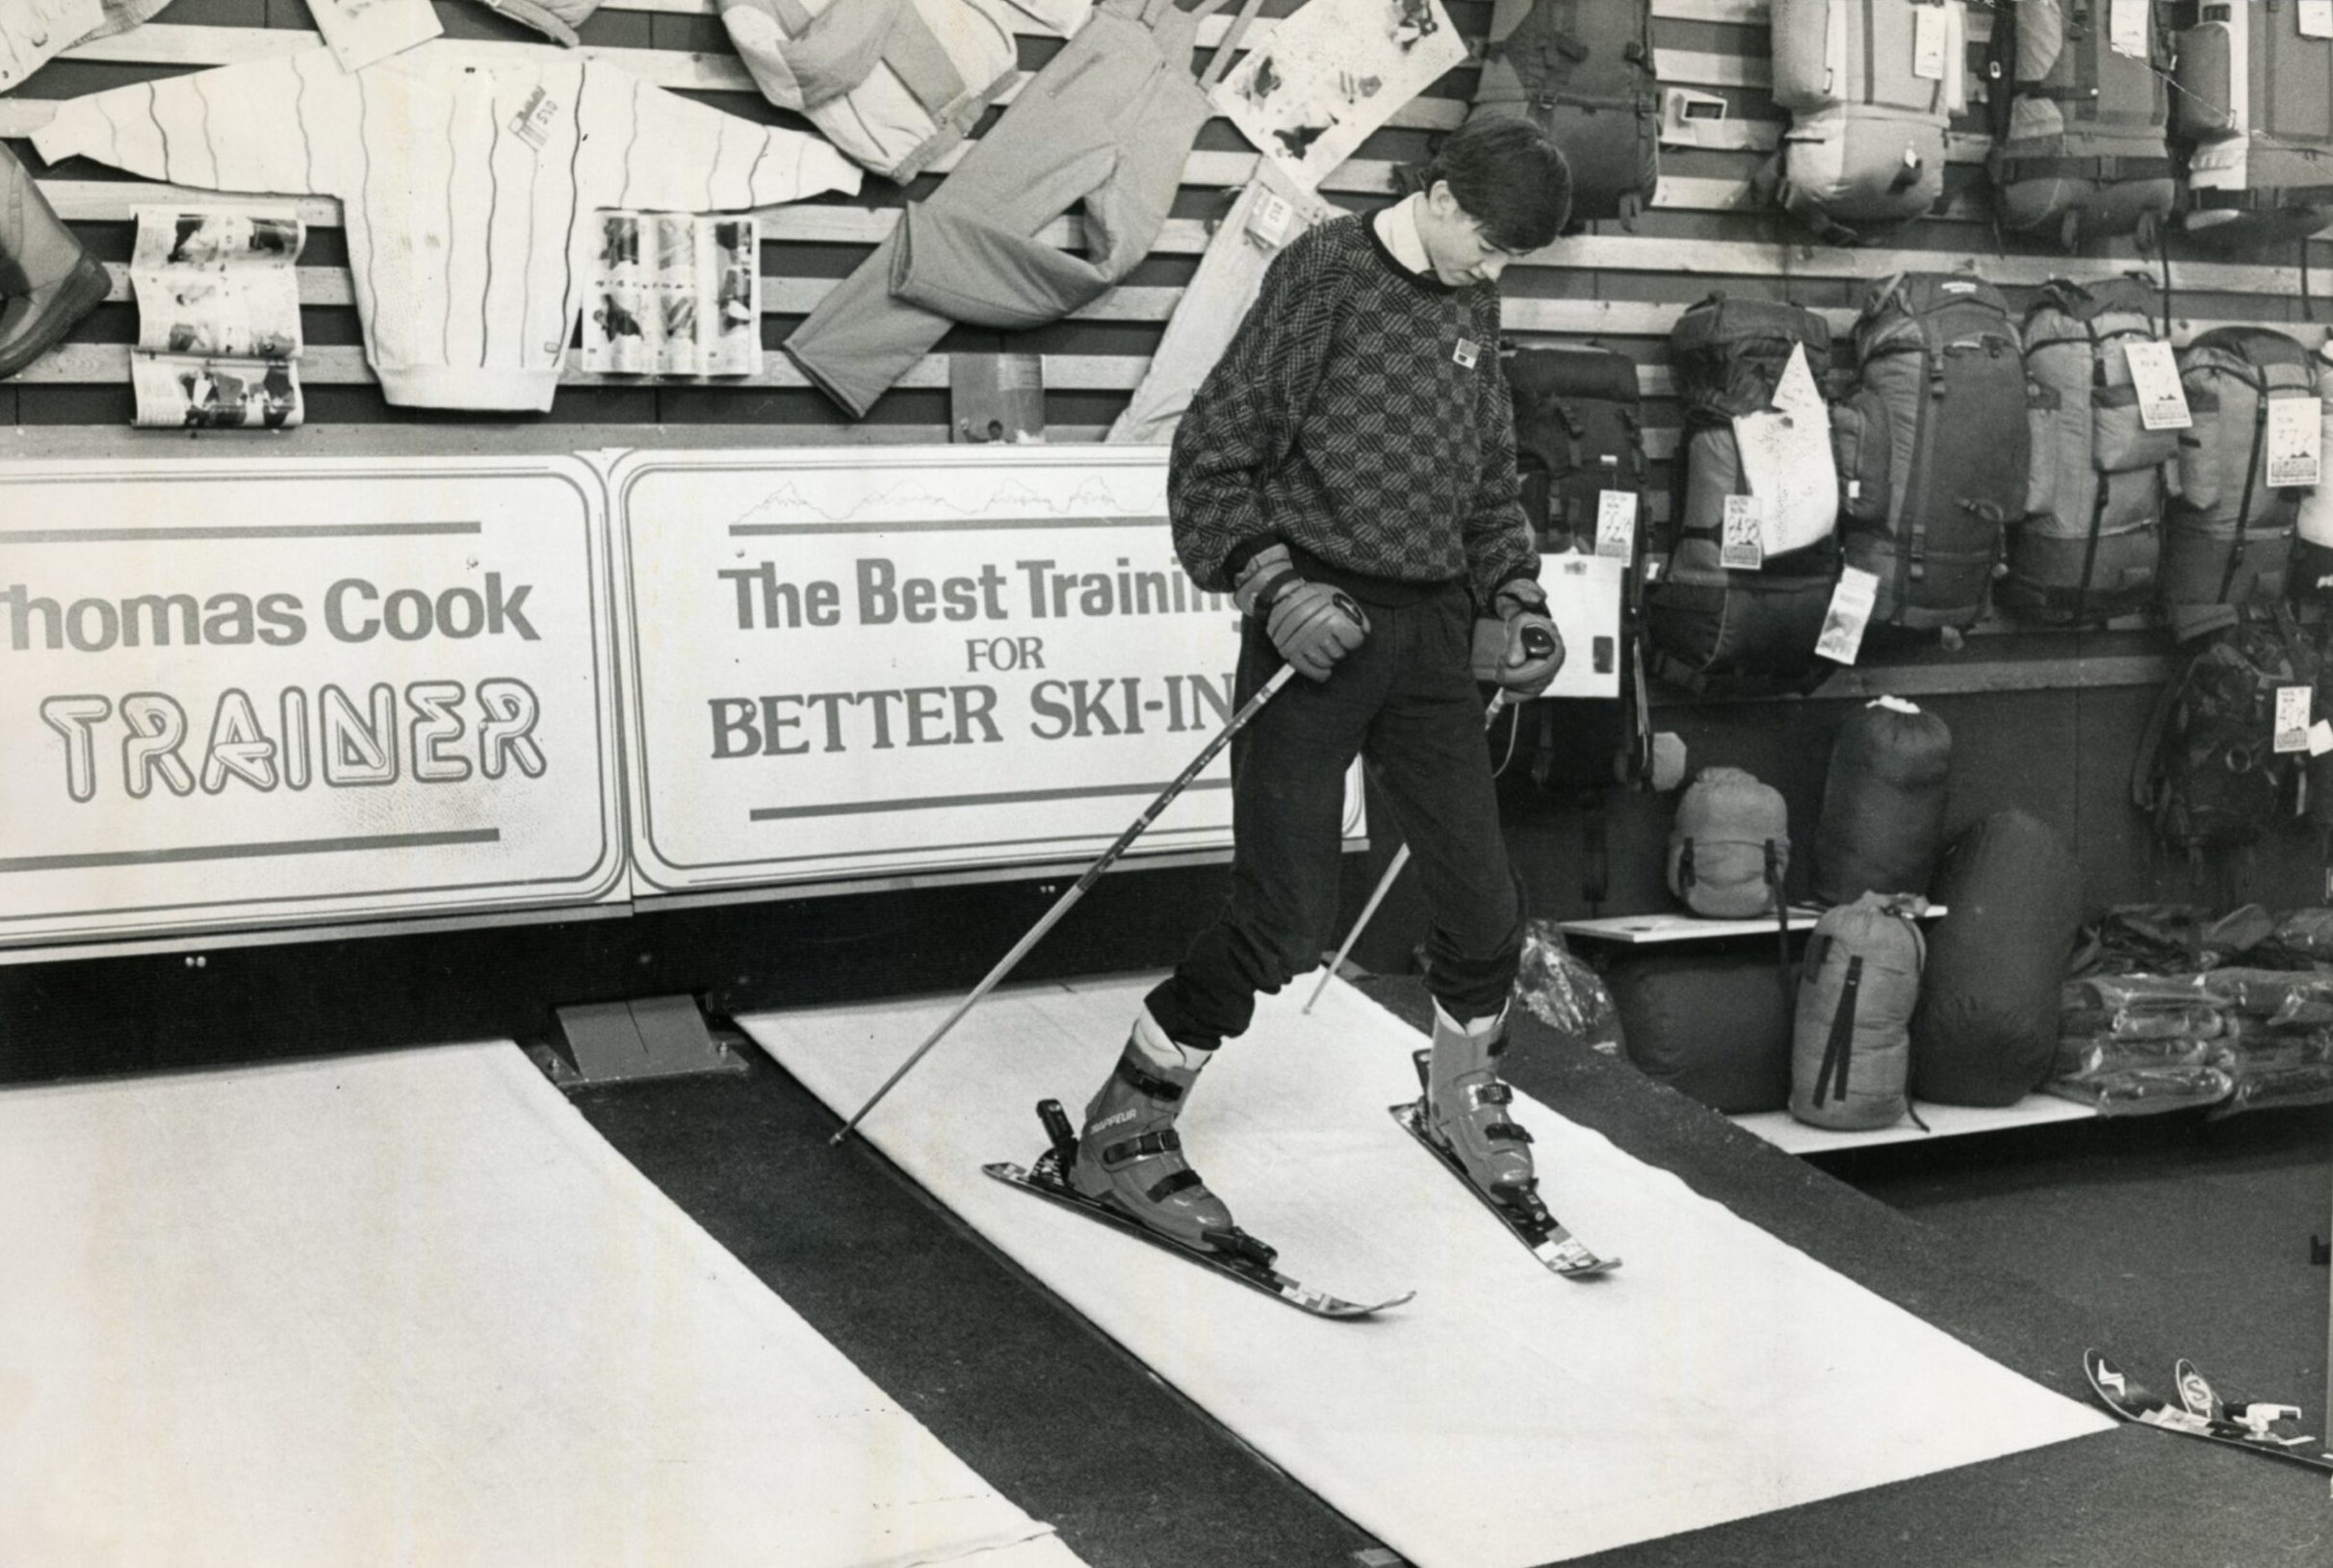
(1249, 1261)
(1557, 1248)
(2199, 1412)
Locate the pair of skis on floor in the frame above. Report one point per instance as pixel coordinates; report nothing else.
(2199, 1411)
(1246, 1259)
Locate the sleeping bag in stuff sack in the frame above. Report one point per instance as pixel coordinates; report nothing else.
(1729, 849)
(1850, 1043)
(1884, 802)
(1713, 1026)
(1985, 1032)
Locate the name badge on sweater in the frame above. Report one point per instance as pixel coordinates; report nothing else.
(1466, 354)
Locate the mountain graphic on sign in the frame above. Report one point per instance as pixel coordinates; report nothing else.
(912, 497)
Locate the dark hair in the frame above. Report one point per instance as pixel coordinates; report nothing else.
(1508, 176)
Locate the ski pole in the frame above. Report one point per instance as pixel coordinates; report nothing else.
(1538, 648)
(1093, 874)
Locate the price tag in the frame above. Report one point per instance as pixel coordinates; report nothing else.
(2127, 28)
(2320, 738)
(2162, 402)
(2295, 432)
(1850, 612)
(1616, 522)
(2317, 18)
(1268, 219)
(2293, 718)
(1744, 542)
(1929, 42)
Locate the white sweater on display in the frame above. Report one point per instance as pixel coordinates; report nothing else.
(467, 178)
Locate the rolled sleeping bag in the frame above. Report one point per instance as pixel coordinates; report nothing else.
(1883, 802)
(1729, 848)
(1715, 1026)
(1851, 1043)
(1985, 1032)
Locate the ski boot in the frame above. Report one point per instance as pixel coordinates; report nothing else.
(1466, 1109)
(1131, 1157)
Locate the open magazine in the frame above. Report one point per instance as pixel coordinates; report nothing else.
(674, 293)
(217, 319)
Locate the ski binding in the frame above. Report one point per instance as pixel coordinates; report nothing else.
(1238, 1255)
(2199, 1412)
(1556, 1247)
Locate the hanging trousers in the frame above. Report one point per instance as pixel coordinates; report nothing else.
(1107, 124)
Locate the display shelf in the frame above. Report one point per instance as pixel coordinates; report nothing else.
(1794, 1137)
(1651, 929)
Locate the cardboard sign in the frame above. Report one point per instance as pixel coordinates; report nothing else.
(961, 659)
(2127, 28)
(1930, 34)
(1616, 522)
(2293, 718)
(2295, 433)
(2162, 402)
(273, 690)
(1850, 612)
(1743, 546)
(2317, 18)
(361, 32)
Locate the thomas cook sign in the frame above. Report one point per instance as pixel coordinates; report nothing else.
(237, 695)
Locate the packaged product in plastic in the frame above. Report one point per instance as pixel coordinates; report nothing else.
(2263, 1089)
(2307, 934)
(2140, 1006)
(2099, 1056)
(2146, 1090)
(1562, 993)
(2281, 996)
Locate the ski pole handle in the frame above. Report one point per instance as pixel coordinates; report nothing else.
(1093, 874)
(1401, 856)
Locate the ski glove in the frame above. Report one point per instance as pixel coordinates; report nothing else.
(1311, 623)
(1520, 650)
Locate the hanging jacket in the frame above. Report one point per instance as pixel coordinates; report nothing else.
(467, 180)
(893, 84)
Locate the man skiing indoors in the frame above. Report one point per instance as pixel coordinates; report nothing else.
(1347, 473)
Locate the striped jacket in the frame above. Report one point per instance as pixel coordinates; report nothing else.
(467, 180)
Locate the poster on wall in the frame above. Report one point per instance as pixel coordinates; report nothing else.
(1332, 74)
(237, 695)
(945, 660)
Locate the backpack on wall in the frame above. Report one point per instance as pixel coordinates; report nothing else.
(1883, 802)
(1729, 848)
(2087, 547)
(1709, 625)
(1579, 430)
(1583, 71)
(2227, 537)
(2079, 126)
(2255, 115)
(2312, 572)
(1942, 353)
(1851, 1043)
(1871, 87)
(2207, 772)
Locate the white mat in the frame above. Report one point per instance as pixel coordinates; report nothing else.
(1506, 1415)
(412, 1310)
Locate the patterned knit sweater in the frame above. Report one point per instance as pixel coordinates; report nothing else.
(1341, 423)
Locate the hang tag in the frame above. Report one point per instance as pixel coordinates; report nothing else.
(1929, 42)
(2162, 402)
(1850, 612)
(1616, 522)
(1743, 546)
(2127, 28)
(2293, 718)
(2295, 432)
(539, 116)
(2317, 18)
(2320, 738)
(1466, 354)
(1269, 218)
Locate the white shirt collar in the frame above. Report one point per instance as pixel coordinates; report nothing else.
(1397, 226)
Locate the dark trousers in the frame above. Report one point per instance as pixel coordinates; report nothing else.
(1407, 701)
